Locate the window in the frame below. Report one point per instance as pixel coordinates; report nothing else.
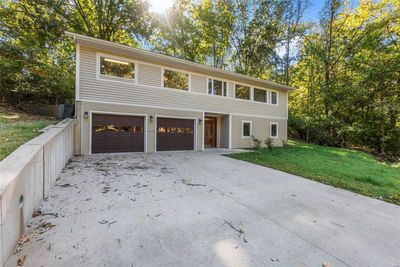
(274, 130)
(117, 68)
(216, 87)
(246, 129)
(260, 95)
(242, 91)
(118, 128)
(176, 80)
(174, 130)
(274, 98)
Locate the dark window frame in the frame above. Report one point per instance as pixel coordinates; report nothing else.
(265, 100)
(276, 130)
(242, 87)
(164, 85)
(276, 98)
(114, 60)
(212, 91)
(250, 129)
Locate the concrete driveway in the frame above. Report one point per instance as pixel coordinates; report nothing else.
(204, 209)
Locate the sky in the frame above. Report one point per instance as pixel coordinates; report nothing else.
(312, 12)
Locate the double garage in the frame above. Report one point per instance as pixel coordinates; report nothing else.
(123, 133)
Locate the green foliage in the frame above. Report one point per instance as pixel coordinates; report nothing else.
(256, 142)
(269, 143)
(348, 80)
(36, 59)
(348, 169)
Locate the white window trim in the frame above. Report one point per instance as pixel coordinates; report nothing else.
(270, 97)
(177, 70)
(250, 91)
(251, 129)
(277, 129)
(212, 86)
(111, 78)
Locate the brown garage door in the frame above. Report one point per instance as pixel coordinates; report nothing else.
(115, 133)
(175, 134)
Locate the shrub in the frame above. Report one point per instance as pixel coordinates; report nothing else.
(256, 142)
(269, 143)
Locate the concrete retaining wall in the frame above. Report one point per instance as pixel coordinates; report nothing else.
(26, 177)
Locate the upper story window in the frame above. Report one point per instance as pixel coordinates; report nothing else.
(242, 91)
(260, 95)
(274, 130)
(117, 68)
(274, 98)
(176, 80)
(216, 87)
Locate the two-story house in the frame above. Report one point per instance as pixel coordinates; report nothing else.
(130, 99)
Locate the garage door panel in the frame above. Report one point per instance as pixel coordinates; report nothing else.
(120, 119)
(115, 133)
(175, 134)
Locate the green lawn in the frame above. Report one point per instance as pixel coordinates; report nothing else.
(352, 170)
(16, 129)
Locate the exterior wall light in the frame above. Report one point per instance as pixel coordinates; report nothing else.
(86, 115)
(200, 121)
(151, 118)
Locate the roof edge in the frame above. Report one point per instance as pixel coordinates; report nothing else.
(77, 37)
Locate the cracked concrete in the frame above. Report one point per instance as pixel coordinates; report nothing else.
(204, 209)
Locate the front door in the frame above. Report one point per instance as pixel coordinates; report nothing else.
(210, 132)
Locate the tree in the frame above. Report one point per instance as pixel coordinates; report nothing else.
(36, 60)
(175, 33)
(121, 21)
(256, 35)
(214, 21)
(294, 30)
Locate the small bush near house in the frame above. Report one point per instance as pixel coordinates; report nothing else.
(256, 142)
(269, 143)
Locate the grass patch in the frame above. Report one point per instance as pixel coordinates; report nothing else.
(348, 169)
(16, 129)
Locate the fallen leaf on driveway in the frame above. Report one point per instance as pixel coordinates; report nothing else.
(23, 239)
(21, 260)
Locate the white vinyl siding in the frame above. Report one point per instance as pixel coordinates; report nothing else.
(148, 92)
(198, 84)
(149, 75)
